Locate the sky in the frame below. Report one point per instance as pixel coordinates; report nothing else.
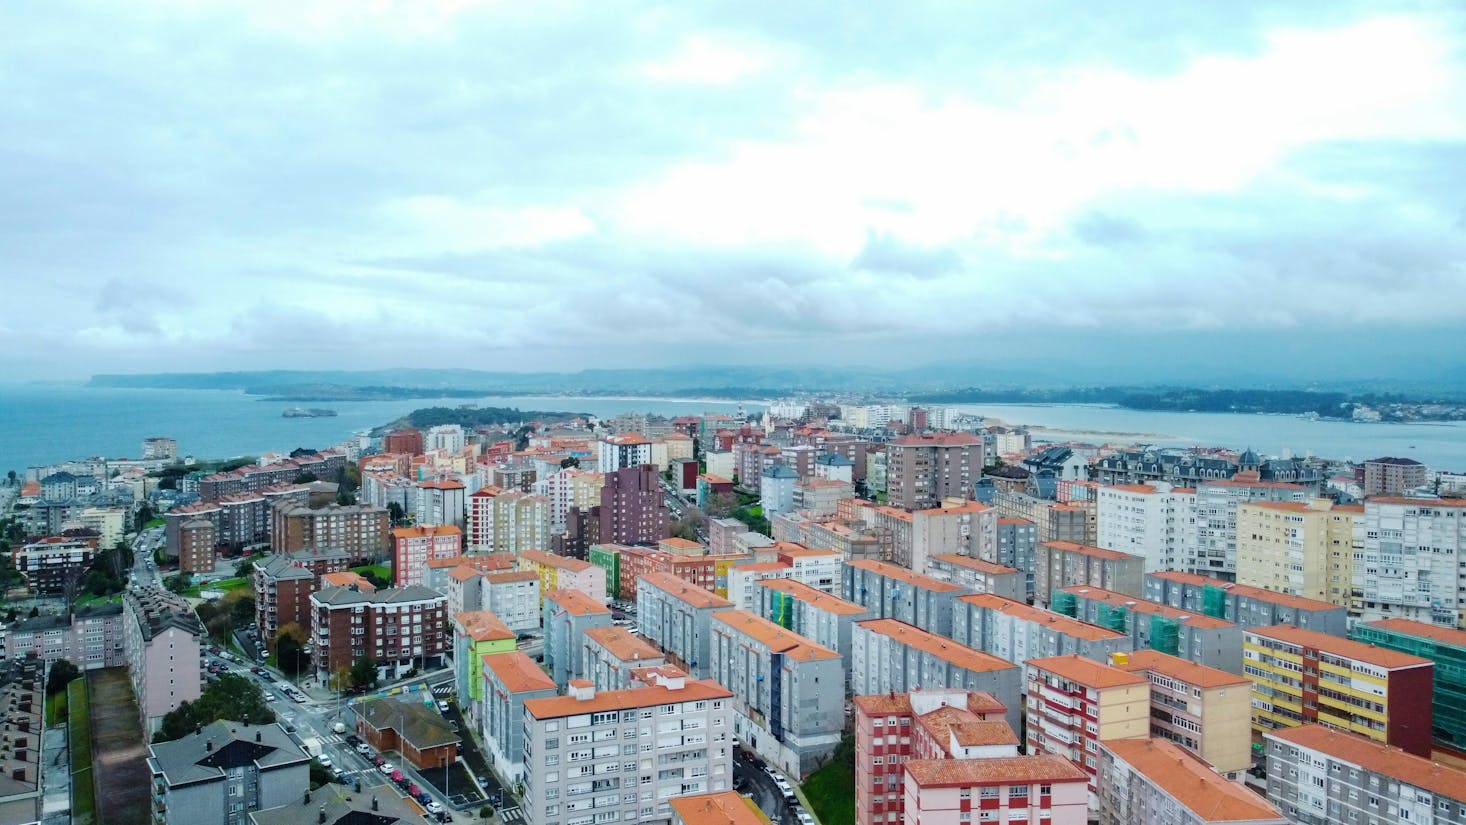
(1136, 188)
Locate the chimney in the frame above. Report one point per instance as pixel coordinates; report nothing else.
(209, 746)
(321, 817)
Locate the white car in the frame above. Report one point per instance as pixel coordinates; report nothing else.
(434, 806)
(324, 760)
(364, 749)
(387, 768)
(442, 706)
(804, 818)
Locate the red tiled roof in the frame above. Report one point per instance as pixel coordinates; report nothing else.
(518, 672)
(778, 639)
(1087, 672)
(1346, 648)
(817, 598)
(1087, 549)
(1180, 669)
(576, 602)
(891, 571)
(720, 808)
(1042, 769)
(642, 697)
(1191, 782)
(945, 649)
(684, 590)
(1443, 780)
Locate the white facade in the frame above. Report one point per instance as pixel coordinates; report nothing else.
(445, 437)
(1414, 563)
(514, 598)
(1154, 521)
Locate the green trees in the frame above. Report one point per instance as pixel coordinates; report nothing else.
(231, 696)
(364, 673)
(62, 672)
(290, 653)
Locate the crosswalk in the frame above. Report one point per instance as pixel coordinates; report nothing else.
(444, 689)
(515, 814)
(330, 738)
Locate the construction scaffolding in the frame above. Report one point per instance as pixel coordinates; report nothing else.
(1165, 634)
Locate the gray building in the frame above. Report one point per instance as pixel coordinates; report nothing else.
(776, 489)
(334, 804)
(675, 614)
(788, 692)
(1017, 632)
(610, 654)
(567, 615)
(1016, 540)
(891, 592)
(817, 616)
(1156, 782)
(978, 576)
(225, 771)
(1244, 605)
(1060, 564)
(1195, 637)
(510, 679)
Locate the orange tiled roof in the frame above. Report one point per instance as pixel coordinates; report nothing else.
(1429, 776)
(518, 672)
(1436, 633)
(576, 602)
(1383, 657)
(1087, 672)
(1139, 605)
(642, 697)
(818, 598)
(778, 639)
(621, 643)
(509, 576)
(424, 530)
(945, 649)
(891, 571)
(720, 808)
(970, 731)
(1420, 502)
(483, 626)
(684, 590)
(1192, 782)
(544, 559)
(1180, 669)
(1042, 769)
(1088, 550)
(1067, 625)
(346, 578)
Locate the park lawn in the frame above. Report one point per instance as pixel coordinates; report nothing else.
(79, 721)
(380, 569)
(157, 522)
(225, 585)
(831, 789)
(56, 709)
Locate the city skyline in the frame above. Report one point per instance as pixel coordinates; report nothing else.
(249, 187)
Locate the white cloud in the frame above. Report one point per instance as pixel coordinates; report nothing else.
(713, 61)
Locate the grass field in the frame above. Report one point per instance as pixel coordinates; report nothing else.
(831, 789)
(224, 585)
(79, 721)
(380, 569)
(56, 709)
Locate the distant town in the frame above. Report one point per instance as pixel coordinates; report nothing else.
(846, 613)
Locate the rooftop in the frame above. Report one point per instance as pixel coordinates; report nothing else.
(556, 707)
(1444, 781)
(891, 571)
(518, 672)
(1410, 627)
(684, 591)
(158, 610)
(623, 644)
(721, 808)
(817, 598)
(1088, 550)
(576, 602)
(221, 745)
(510, 576)
(1139, 605)
(1043, 769)
(959, 560)
(1180, 669)
(1087, 672)
(340, 806)
(542, 558)
(945, 649)
(483, 626)
(777, 638)
(1273, 597)
(413, 721)
(1067, 625)
(1345, 648)
(937, 440)
(425, 531)
(947, 723)
(1191, 782)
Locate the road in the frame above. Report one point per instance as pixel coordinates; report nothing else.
(750, 778)
(678, 505)
(144, 570)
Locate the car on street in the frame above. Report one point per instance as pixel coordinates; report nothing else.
(378, 761)
(387, 768)
(422, 796)
(339, 774)
(413, 790)
(363, 748)
(353, 740)
(324, 760)
(434, 806)
(399, 776)
(442, 706)
(804, 818)
(289, 728)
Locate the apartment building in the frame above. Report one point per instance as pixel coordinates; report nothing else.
(438, 570)
(677, 616)
(1300, 677)
(1061, 564)
(513, 596)
(1017, 538)
(1203, 639)
(610, 654)
(1390, 476)
(284, 582)
(1053, 520)
(1197, 708)
(521, 521)
(224, 772)
(566, 617)
(957, 526)
(509, 679)
(325, 464)
(22, 694)
(561, 573)
(1074, 703)
(1017, 632)
(358, 529)
(441, 502)
(479, 519)
(632, 508)
(1411, 565)
(476, 634)
(978, 576)
(887, 655)
(635, 562)
(1216, 518)
(1241, 604)
(622, 450)
(1289, 546)
(1322, 776)
(788, 692)
(625, 753)
(162, 638)
(53, 563)
(923, 469)
(198, 543)
(90, 636)
(814, 614)
(819, 568)
(1154, 521)
(1444, 646)
(1035, 790)
(721, 808)
(398, 628)
(891, 592)
(414, 547)
(1155, 782)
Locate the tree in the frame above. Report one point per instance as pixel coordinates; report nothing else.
(231, 697)
(395, 513)
(569, 461)
(341, 679)
(364, 673)
(169, 483)
(62, 672)
(179, 582)
(241, 607)
(376, 579)
(289, 644)
(144, 515)
(722, 504)
(9, 576)
(245, 567)
(345, 498)
(10, 477)
(306, 478)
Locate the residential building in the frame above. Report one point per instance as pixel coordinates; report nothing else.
(675, 740)
(744, 578)
(957, 526)
(521, 522)
(333, 804)
(788, 692)
(925, 468)
(398, 628)
(1216, 518)
(1053, 520)
(1016, 540)
(608, 558)
(446, 438)
(567, 615)
(676, 615)
(508, 680)
(441, 502)
(1288, 546)
(888, 655)
(721, 808)
(284, 582)
(622, 450)
(1154, 521)
(1243, 605)
(197, 542)
(161, 636)
(1444, 646)
(1061, 564)
(53, 564)
(776, 489)
(408, 442)
(1322, 776)
(977, 576)
(1158, 783)
(159, 448)
(610, 654)
(1391, 476)
(22, 694)
(560, 573)
(823, 619)
(110, 524)
(1300, 676)
(89, 636)
(513, 596)
(225, 771)
(1197, 708)
(414, 547)
(1016, 632)
(1203, 639)
(479, 520)
(1411, 564)
(819, 495)
(476, 634)
(1033, 789)
(361, 531)
(438, 571)
(892, 592)
(1074, 703)
(416, 731)
(632, 508)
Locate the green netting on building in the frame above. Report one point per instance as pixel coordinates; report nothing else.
(610, 560)
(781, 609)
(1214, 601)
(1450, 675)
(1165, 634)
(1062, 603)
(1111, 616)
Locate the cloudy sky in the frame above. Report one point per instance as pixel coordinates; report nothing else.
(195, 185)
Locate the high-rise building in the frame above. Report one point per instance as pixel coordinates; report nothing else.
(1292, 547)
(1413, 561)
(398, 628)
(358, 529)
(622, 450)
(1154, 521)
(1443, 645)
(1074, 703)
(1216, 518)
(632, 507)
(1153, 781)
(1243, 605)
(226, 771)
(923, 469)
(1061, 564)
(1391, 476)
(1196, 707)
(1017, 632)
(162, 637)
(414, 547)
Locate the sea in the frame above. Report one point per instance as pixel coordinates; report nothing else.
(44, 423)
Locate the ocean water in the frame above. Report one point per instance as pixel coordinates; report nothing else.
(46, 423)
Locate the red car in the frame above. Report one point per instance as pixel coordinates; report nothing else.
(398, 776)
(413, 790)
(378, 760)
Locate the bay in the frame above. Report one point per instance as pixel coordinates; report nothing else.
(52, 422)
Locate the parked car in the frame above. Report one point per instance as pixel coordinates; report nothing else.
(398, 776)
(434, 806)
(353, 740)
(378, 760)
(413, 790)
(364, 749)
(387, 768)
(804, 818)
(442, 706)
(324, 760)
(423, 797)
